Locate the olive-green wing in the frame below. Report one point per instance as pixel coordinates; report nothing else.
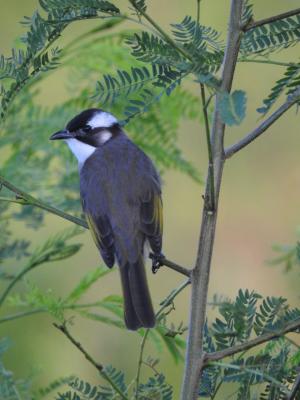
(101, 231)
(152, 218)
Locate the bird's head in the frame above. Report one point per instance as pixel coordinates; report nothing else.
(87, 131)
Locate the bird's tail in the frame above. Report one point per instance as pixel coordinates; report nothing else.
(138, 309)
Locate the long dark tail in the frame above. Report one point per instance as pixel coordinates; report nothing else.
(138, 309)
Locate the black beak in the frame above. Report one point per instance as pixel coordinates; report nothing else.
(65, 134)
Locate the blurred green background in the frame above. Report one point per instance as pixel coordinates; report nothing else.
(258, 207)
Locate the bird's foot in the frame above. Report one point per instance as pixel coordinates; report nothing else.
(156, 261)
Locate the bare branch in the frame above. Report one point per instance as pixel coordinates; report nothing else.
(97, 365)
(264, 125)
(219, 355)
(254, 24)
(200, 274)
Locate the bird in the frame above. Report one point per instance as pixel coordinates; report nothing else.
(121, 198)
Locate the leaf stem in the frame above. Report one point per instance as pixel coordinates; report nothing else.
(97, 365)
(211, 199)
(27, 199)
(272, 62)
(161, 31)
(219, 355)
(252, 371)
(14, 282)
(198, 11)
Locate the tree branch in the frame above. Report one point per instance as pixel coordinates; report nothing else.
(170, 264)
(293, 99)
(97, 365)
(219, 355)
(254, 24)
(200, 274)
(24, 198)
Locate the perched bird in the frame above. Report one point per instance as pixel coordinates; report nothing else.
(121, 199)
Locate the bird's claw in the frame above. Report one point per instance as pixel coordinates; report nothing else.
(156, 262)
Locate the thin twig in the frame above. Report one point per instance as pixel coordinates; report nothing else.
(211, 199)
(14, 282)
(97, 365)
(28, 313)
(167, 38)
(198, 11)
(165, 303)
(254, 24)
(254, 372)
(293, 99)
(163, 261)
(270, 62)
(219, 355)
(27, 199)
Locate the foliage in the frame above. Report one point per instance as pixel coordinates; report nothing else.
(288, 256)
(155, 388)
(145, 81)
(266, 373)
(233, 107)
(272, 37)
(287, 84)
(11, 388)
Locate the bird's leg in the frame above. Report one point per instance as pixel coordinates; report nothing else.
(157, 261)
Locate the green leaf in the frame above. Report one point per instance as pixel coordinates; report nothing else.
(86, 282)
(233, 107)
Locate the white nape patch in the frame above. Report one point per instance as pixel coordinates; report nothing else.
(82, 151)
(102, 119)
(105, 136)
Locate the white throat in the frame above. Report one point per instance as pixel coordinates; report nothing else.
(82, 151)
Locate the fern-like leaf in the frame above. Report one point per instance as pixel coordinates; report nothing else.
(272, 37)
(84, 6)
(288, 84)
(202, 43)
(149, 48)
(156, 389)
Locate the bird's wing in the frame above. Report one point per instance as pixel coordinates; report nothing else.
(152, 215)
(102, 234)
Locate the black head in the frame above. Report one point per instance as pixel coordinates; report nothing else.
(93, 126)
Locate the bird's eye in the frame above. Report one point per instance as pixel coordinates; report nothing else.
(86, 128)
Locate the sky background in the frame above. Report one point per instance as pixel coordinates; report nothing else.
(259, 206)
